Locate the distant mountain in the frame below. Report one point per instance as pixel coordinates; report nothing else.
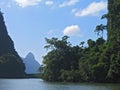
(11, 65)
(31, 64)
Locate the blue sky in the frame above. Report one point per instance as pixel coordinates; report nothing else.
(30, 21)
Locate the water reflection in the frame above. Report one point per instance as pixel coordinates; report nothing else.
(38, 84)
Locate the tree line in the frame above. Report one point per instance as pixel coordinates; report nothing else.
(97, 62)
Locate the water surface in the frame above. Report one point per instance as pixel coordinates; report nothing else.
(38, 84)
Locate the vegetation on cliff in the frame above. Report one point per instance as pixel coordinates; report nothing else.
(11, 65)
(98, 62)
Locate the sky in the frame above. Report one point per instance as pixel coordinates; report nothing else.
(29, 22)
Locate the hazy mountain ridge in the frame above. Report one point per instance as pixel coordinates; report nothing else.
(31, 64)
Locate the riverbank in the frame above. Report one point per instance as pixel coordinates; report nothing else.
(34, 75)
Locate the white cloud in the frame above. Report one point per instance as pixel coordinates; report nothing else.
(72, 30)
(26, 3)
(49, 3)
(74, 10)
(93, 9)
(68, 3)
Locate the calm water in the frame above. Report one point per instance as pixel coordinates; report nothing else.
(38, 84)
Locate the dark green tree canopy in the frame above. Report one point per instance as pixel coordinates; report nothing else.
(98, 62)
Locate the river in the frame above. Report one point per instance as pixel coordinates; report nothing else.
(38, 84)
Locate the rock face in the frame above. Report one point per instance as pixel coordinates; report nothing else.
(11, 64)
(6, 44)
(31, 64)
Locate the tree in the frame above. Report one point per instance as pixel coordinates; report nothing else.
(82, 43)
(113, 46)
(104, 16)
(100, 28)
(91, 43)
(99, 62)
(61, 57)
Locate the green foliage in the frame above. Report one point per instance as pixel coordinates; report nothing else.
(99, 62)
(70, 76)
(99, 72)
(104, 16)
(9, 66)
(113, 47)
(61, 57)
(114, 70)
(72, 63)
(100, 28)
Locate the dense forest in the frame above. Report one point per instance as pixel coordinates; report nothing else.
(97, 62)
(11, 65)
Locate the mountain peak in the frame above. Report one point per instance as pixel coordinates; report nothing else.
(30, 55)
(31, 63)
